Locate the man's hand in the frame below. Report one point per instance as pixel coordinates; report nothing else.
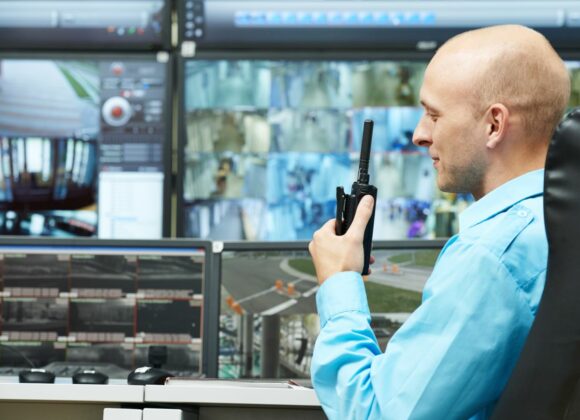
(331, 253)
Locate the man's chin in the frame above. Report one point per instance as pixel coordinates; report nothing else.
(449, 187)
(443, 185)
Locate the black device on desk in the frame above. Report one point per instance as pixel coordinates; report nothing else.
(36, 376)
(346, 204)
(147, 375)
(71, 369)
(90, 377)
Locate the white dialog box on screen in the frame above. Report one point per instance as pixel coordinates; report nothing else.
(130, 205)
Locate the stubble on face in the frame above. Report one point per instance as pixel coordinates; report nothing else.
(460, 148)
(462, 174)
(457, 135)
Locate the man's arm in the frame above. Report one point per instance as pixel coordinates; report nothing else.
(450, 360)
(452, 357)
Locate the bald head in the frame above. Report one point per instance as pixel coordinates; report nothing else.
(512, 65)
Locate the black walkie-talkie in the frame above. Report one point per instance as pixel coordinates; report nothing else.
(346, 205)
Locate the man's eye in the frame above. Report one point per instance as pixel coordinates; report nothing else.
(433, 117)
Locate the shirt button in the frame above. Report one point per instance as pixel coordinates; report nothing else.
(522, 213)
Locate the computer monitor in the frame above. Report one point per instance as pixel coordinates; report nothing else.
(265, 142)
(85, 145)
(268, 319)
(573, 65)
(85, 25)
(338, 25)
(94, 301)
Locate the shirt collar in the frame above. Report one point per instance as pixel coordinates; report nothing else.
(506, 195)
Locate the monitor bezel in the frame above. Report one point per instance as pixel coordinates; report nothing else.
(368, 39)
(303, 245)
(319, 55)
(164, 44)
(210, 301)
(181, 129)
(167, 120)
(249, 246)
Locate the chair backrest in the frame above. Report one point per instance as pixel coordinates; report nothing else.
(545, 383)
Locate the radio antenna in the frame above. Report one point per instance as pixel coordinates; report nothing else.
(365, 153)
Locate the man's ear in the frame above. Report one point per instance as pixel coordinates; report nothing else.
(497, 117)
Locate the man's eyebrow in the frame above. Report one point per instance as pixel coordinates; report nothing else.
(428, 107)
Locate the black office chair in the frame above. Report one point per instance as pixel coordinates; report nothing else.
(545, 383)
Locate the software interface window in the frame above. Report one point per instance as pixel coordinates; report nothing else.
(87, 24)
(267, 142)
(101, 304)
(82, 146)
(261, 288)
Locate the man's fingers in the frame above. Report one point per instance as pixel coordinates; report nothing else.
(329, 225)
(329, 228)
(363, 214)
(371, 260)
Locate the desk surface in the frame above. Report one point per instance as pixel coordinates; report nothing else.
(72, 393)
(197, 394)
(231, 394)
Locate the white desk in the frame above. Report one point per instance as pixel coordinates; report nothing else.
(231, 402)
(72, 393)
(63, 401)
(230, 394)
(87, 402)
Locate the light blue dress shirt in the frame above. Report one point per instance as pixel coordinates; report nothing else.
(452, 358)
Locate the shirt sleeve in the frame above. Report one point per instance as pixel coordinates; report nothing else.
(451, 359)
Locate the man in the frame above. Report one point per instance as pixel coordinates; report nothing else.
(492, 98)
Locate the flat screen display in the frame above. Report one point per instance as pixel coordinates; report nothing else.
(102, 304)
(85, 25)
(326, 25)
(83, 146)
(265, 143)
(268, 294)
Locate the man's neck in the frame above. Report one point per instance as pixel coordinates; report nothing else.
(516, 156)
(500, 176)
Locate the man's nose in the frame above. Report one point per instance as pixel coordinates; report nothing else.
(422, 133)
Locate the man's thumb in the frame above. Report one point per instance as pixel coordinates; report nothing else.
(364, 212)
